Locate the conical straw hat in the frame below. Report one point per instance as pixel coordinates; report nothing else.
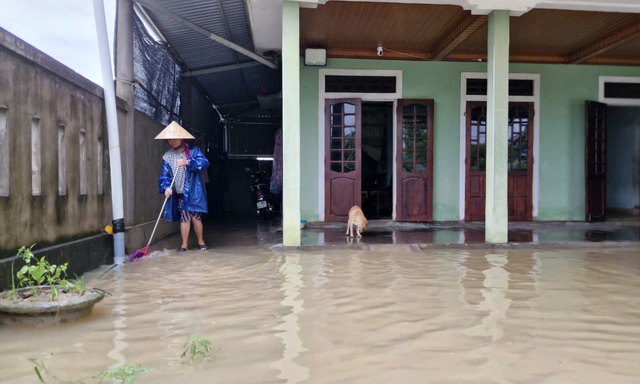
(174, 131)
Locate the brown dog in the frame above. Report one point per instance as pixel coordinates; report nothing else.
(356, 217)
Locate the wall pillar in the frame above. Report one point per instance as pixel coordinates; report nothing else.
(496, 212)
(124, 90)
(291, 123)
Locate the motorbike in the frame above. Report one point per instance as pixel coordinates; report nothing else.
(261, 195)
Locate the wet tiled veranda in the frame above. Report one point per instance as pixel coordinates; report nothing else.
(268, 233)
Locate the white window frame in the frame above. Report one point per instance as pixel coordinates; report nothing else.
(615, 101)
(323, 95)
(464, 98)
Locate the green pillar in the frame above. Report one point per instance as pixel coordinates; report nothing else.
(496, 214)
(291, 123)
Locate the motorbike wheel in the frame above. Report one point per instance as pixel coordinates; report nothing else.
(266, 213)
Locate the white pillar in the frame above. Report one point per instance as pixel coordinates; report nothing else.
(291, 123)
(124, 90)
(496, 212)
(117, 205)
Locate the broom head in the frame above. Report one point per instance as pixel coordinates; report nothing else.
(139, 253)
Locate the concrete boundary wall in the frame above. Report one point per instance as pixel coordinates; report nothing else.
(82, 255)
(55, 188)
(55, 178)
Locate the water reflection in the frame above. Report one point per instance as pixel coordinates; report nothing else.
(471, 235)
(355, 316)
(494, 306)
(494, 303)
(119, 322)
(293, 345)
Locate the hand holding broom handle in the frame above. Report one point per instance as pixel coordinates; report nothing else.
(144, 251)
(162, 209)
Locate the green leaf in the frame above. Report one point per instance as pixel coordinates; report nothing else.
(39, 375)
(22, 271)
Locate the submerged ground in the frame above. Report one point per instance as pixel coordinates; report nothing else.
(365, 314)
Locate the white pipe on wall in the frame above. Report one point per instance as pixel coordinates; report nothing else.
(112, 132)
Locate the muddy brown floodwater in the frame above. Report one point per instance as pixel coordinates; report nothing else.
(350, 316)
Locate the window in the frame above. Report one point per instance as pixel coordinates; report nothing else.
(100, 167)
(4, 153)
(36, 158)
(621, 91)
(83, 162)
(250, 138)
(517, 87)
(62, 164)
(342, 153)
(360, 84)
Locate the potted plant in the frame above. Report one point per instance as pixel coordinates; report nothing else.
(44, 295)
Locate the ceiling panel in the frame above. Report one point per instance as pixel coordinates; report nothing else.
(626, 51)
(563, 32)
(354, 29)
(365, 26)
(418, 31)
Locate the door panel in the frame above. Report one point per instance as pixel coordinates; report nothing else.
(595, 160)
(520, 161)
(476, 161)
(414, 162)
(342, 157)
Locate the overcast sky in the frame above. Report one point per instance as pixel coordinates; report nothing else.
(63, 29)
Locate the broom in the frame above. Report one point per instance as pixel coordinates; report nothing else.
(145, 251)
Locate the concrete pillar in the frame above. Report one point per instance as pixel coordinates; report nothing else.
(291, 123)
(496, 213)
(124, 90)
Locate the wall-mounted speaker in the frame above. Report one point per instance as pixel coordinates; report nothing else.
(315, 56)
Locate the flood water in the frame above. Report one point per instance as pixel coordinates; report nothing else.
(351, 316)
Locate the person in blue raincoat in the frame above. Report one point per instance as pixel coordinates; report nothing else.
(187, 199)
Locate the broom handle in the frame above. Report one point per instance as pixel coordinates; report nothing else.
(162, 209)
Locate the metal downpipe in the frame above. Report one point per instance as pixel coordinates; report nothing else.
(108, 87)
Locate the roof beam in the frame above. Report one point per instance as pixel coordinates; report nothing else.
(238, 104)
(372, 54)
(152, 5)
(480, 57)
(220, 69)
(465, 28)
(601, 46)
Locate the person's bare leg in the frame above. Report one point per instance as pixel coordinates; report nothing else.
(197, 227)
(184, 231)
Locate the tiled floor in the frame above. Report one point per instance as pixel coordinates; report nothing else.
(258, 232)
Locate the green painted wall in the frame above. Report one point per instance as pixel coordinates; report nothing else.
(563, 89)
(309, 143)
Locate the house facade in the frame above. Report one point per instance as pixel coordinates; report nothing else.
(496, 136)
(429, 110)
(554, 123)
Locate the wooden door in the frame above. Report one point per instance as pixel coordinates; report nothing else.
(475, 179)
(595, 160)
(414, 163)
(520, 161)
(342, 157)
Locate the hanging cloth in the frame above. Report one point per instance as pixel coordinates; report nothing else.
(276, 172)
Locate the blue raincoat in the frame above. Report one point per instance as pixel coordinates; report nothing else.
(194, 194)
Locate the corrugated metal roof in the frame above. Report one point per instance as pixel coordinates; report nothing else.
(227, 19)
